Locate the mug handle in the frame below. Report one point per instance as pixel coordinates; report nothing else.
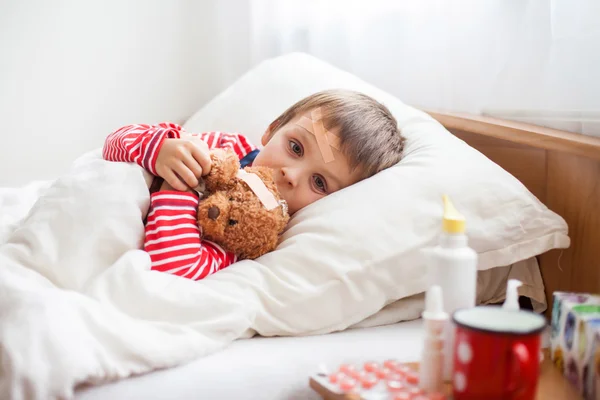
(523, 368)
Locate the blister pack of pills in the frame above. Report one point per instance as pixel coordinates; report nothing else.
(372, 380)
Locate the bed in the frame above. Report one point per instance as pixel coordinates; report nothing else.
(562, 169)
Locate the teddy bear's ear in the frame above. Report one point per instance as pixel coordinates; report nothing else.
(225, 165)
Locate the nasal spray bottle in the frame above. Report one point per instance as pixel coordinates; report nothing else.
(511, 301)
(453, 267)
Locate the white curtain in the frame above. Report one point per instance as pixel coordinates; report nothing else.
(530, 60)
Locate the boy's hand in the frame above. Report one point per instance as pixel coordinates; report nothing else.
(181, 162)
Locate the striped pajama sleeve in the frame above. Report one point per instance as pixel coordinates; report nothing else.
(173, 238)
(139, 143)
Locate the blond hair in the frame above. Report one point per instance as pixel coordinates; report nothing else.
(369, 134)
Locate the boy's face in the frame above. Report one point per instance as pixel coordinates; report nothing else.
(300, 173)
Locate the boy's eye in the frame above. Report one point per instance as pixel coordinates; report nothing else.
(320, 184)
(295, 148)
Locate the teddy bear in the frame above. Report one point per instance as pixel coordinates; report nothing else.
(233, 211)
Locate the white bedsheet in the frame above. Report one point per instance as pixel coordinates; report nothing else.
(266, 368)
(269, 368)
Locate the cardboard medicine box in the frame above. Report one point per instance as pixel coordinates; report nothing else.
(575, 340)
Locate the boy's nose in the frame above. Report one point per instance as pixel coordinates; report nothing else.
(289, 177)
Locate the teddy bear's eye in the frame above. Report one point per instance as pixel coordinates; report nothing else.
(232, 222)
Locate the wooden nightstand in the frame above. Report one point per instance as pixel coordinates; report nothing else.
(551, 386)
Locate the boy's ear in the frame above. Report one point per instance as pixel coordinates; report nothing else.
(269, 132)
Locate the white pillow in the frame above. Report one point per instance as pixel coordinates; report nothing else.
(348, 255)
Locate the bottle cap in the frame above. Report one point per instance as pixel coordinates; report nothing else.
(453, 221)
(512, 295)
(434, 304)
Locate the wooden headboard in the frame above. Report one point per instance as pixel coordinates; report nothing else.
(562, 169)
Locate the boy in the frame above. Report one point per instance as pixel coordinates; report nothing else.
(322, 144)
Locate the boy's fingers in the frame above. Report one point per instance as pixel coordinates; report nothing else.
(186, 174)
(202, 158)
(174, 181)
(193, 165)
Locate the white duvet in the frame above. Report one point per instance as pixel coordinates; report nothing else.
(78, 302)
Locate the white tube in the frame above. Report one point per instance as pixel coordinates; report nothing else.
(431, 370)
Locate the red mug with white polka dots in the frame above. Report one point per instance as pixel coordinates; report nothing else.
(496, 353)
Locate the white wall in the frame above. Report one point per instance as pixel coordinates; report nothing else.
(72, 71)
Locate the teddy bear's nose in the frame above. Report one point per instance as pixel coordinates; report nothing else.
(213, 212)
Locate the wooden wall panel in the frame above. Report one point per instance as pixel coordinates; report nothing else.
(573, 191)
(526, 163)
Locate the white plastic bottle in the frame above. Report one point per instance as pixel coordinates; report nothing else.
(453, 267)
(431, 370)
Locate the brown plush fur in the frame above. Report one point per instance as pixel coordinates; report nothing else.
(243, 225)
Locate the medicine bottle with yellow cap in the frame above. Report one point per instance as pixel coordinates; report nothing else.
(452, 265)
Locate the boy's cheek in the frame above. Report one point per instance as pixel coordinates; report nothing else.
(297, 201)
